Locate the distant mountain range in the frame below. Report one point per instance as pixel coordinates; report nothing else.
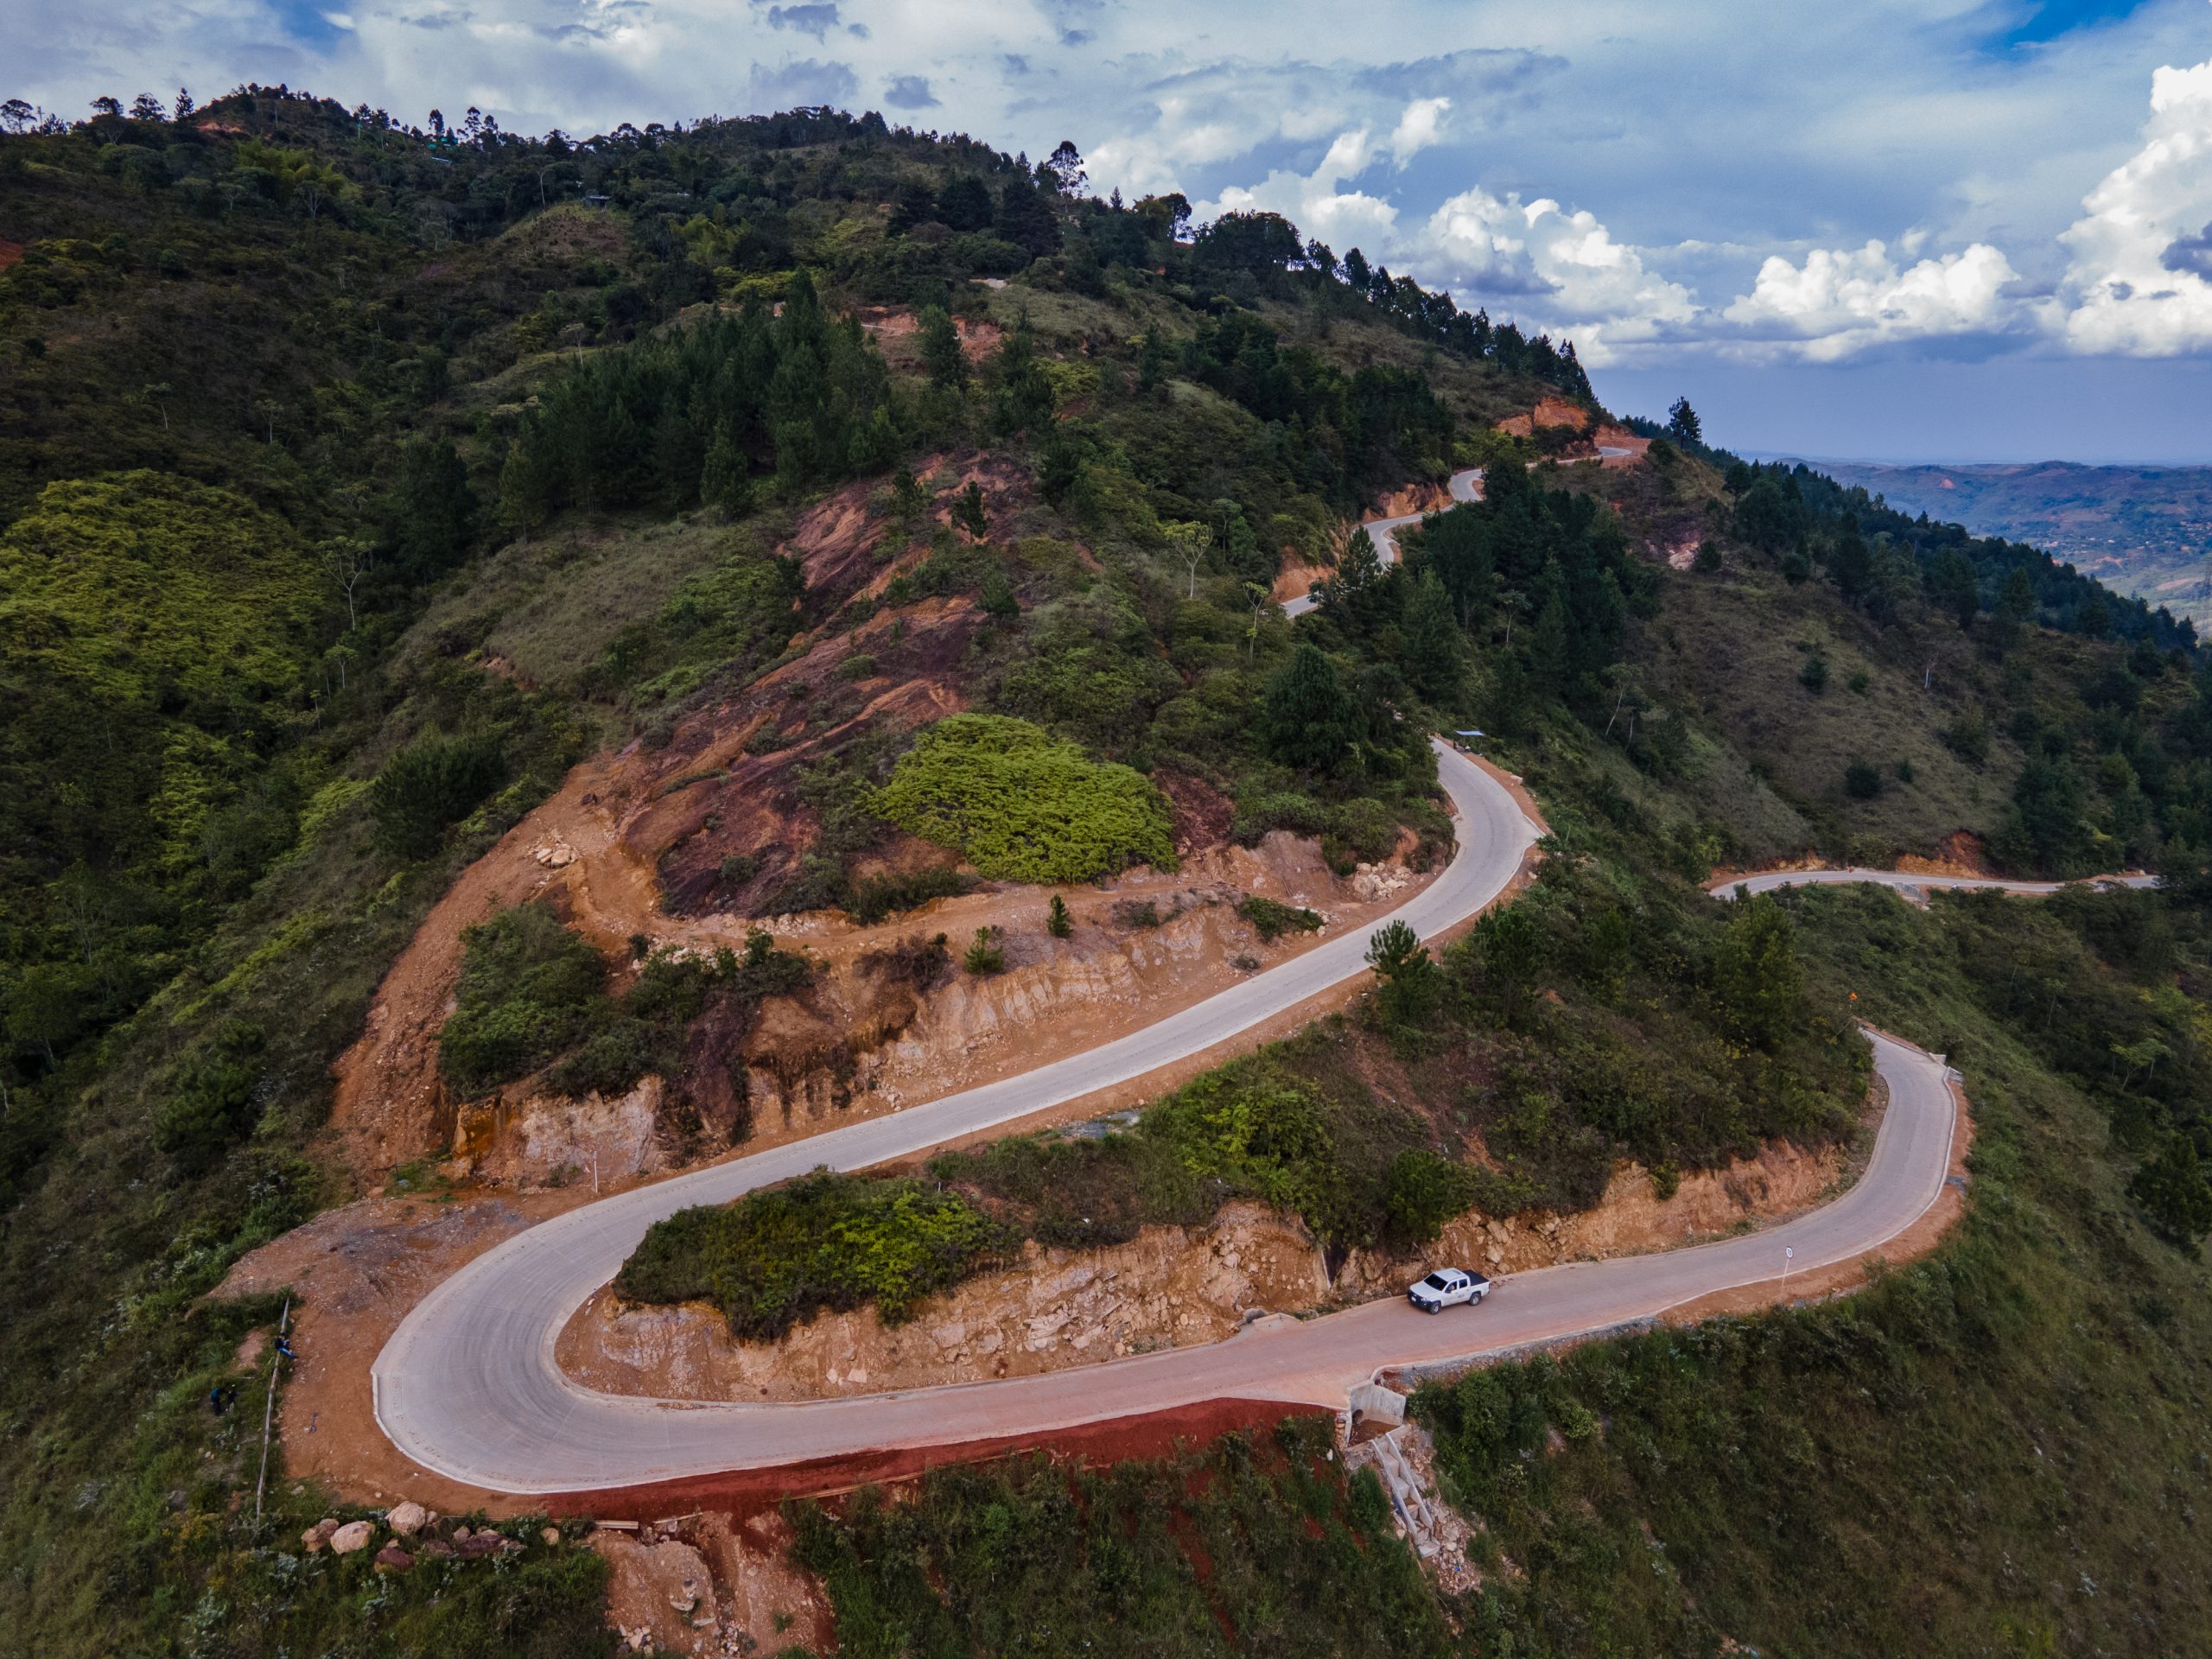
(2145, 531)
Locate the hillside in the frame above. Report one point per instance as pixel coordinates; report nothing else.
(531, 665)
(2145, 531)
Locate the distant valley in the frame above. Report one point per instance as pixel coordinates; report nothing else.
(2145, 531)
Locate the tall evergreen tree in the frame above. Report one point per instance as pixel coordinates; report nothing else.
(1307, 719)
(1431, 640)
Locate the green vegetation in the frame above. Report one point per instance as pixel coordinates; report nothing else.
(984, 957)
(777, 1257)
(1271, 918)
(1023, 806)
(1257, 1545)
(1968, 1447)
(533, 993)
(489, 447)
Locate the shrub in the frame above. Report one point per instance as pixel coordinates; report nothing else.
(1271, 919)
(1862, 780)
(211, 1103)
(777, 1257)
(858, 666)
(1137, 913)
(528, 989)
(1022, 805)
(1813, 676)
(738, 869)
(874, 900)
(1425, 1191)
(914, 962)
(430, 785)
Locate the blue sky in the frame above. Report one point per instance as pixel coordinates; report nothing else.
(1948, 229)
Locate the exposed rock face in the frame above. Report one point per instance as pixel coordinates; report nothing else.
(659, 1594)
(1164, 1289)
(1631, 1219)
(538, 1140)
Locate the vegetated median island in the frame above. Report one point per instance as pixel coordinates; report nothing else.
(1301, 1127)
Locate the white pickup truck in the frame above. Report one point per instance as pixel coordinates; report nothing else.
(1447, 1287)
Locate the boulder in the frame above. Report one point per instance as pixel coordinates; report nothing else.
(317, 1535)
(407, 1519)
(352, 1536)
(392, 1559)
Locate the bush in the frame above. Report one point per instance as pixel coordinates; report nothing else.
(429, 785)
(1271, 918)
(874, 900)
(1862, 780)
(1022, 805)
(1137, 913)
(1813, 676)
(528, 988)
(1426, 1191)
(777, 1257)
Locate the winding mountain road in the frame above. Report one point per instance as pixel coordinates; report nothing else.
(469, 1385)
(1908, 882)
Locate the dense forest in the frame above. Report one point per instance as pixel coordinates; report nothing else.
(360, 480)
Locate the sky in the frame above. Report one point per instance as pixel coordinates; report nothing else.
(1898, 229)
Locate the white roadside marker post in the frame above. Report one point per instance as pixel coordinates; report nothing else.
(1788, 1254)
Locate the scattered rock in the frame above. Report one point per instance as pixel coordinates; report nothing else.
(317, 1535)
(392, 1559)
(353, 1536)
(407, 1519)
(552, 1536)
(436, 1549)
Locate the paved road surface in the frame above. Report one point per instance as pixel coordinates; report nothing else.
(1383, 532)
(469, 1388)
(1465, 486)
(1906, 882)
(468, 1385)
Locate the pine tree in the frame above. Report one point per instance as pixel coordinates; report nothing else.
(946, 363)
(522, 491)
(1683, 425)
(726, 483)
(1058, 922)
(1756, 976)
(1307, 719)
(1430, 640)
(968, 512)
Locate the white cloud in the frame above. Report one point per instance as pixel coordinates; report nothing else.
(1563, 269)
(1420, 127)
(2138, 274)
(1318, 203)
(1841, 301)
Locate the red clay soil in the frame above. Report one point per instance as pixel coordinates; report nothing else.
(1549, 411)
(748, 1491)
